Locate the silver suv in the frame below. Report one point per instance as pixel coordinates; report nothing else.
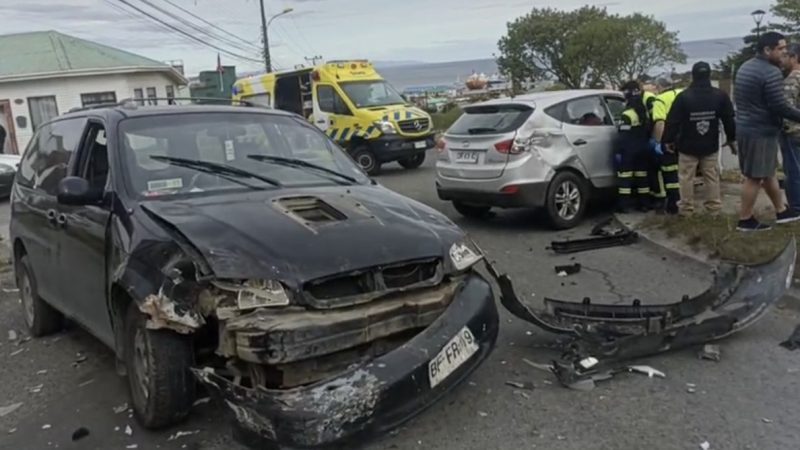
(548, 149)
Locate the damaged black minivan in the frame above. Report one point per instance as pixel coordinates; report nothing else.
(240, 249)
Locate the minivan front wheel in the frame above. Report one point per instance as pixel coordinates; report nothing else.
(566, 200)
(162, 389)
(41, 318)
(364, 157)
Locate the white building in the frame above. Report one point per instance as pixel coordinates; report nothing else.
(44, 74)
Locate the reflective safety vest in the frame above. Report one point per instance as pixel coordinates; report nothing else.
(663, 103)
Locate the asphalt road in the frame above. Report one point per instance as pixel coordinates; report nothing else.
(748, 400)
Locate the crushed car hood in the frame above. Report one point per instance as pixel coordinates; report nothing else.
(297, 235)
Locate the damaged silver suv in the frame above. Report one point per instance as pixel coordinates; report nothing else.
(237, 248)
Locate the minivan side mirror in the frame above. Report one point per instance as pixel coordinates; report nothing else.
(76, 191)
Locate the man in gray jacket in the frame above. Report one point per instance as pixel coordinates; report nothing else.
(761, 108)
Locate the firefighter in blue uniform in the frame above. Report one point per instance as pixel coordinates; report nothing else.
(633, 153)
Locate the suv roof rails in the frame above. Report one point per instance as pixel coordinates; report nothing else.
(132, 102)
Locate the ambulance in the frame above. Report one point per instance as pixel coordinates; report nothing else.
(351, 103)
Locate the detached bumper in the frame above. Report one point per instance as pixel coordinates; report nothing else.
(392, 148)
(527, 195)
(370, 399)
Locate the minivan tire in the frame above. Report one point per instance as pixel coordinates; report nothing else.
(41, 318)
(413, 162)
(571, 188)
(162, 389)
(366, 159)
(472, 211)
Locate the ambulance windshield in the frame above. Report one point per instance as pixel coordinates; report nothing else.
(366, 94)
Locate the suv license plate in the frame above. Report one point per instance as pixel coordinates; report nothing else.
(454, 354)
(467, 157)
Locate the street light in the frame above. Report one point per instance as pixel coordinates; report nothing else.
(265, 36)
(758, 16)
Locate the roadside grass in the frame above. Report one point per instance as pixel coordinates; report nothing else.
(442, 121)
(717, 236)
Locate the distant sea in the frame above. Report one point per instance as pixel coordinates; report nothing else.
(412, 74)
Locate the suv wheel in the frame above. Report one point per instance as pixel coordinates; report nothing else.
(566, 200)
(162, 388)
(472, 211)
(41, 318)
(413, 162)
(364, 157)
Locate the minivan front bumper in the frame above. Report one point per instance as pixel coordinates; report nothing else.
(521, 196)
(369, 399)
(390, 148)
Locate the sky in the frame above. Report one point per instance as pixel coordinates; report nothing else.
(380, 30)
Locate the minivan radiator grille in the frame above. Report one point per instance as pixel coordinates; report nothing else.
(414, 125)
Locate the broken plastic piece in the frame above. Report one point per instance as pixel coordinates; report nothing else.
(570, 269)
(79, 434)
(710, 352)
(595, 243)
(121, 408)
(181, 434)
(6, 410)
(527, 385)
(705, 445)
(647, 370)
(12, 335)
(128, 430)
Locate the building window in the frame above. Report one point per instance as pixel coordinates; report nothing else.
(151, 96)
(171, 94)
(42, 109)
(138, 94)
(98, 98)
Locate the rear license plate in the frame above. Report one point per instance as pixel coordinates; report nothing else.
(467, 157)
(420, 144)
(454, 354)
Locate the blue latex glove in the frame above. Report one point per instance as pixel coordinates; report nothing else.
(658, 149)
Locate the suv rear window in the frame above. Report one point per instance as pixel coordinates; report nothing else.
(491, 119)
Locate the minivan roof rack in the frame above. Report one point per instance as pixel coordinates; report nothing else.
(132, 102)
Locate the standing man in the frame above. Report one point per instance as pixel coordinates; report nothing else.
(667, 158)
(632, 155)
(761, 107)
(790, 138)
(692, 130)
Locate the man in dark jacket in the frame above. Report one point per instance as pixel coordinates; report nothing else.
(692, 129)
(761, 108)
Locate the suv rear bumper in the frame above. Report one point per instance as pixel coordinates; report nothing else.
(395, 147)
(527, 195)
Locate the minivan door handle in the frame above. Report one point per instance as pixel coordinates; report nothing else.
(580, 142)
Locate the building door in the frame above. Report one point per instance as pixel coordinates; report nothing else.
(7, 122)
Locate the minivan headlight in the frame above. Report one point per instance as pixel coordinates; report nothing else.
(252, 294)
(385, 127)
(464, 255)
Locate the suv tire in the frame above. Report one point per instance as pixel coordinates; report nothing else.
(41, 318)
(366, 159)
(472, 211)
(162, 389)
(413, 162)
(566, 200)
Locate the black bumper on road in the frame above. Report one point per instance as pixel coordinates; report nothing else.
(367, 400)
(528, 195)
(393, 147)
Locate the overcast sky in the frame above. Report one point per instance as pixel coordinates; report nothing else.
(419, 30)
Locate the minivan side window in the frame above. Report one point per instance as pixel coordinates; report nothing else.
(26, 173)
(330, 101)
(587, 111)
(56, 144)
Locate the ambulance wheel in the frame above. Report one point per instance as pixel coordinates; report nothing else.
(413, 162)
(364, 157)
(566, 200)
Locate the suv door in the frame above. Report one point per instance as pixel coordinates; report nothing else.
(591, 132)
(35, 208)
(83, 229)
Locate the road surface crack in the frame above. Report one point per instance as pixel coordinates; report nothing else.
(607, 280)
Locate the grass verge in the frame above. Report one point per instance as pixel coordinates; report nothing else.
(717, 236)
(442, 121)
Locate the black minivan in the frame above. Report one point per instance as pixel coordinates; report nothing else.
(240, 250)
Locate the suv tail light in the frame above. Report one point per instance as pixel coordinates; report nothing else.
(441, 145)
(510, 147)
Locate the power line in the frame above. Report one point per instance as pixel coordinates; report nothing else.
(200, 29)
(184, 33)
(302, 36)
(208, 23)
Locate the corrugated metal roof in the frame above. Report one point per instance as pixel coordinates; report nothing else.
(51, 52)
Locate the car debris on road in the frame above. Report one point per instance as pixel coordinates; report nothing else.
(6, 410)
(605, 234)
(710, 352)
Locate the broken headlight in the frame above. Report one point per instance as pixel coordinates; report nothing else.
(252, 294)
(464, 254)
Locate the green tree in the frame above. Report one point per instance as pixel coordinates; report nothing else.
(585, 47)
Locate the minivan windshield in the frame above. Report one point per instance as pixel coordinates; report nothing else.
(197, 153)
(491, 119)
(366, 94)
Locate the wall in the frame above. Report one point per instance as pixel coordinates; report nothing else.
(68, 94)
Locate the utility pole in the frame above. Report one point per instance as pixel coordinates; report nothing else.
(313, 60)
(265, 34)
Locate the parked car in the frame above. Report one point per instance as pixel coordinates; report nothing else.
(7, 173)
(549, 149)
(241, 248)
